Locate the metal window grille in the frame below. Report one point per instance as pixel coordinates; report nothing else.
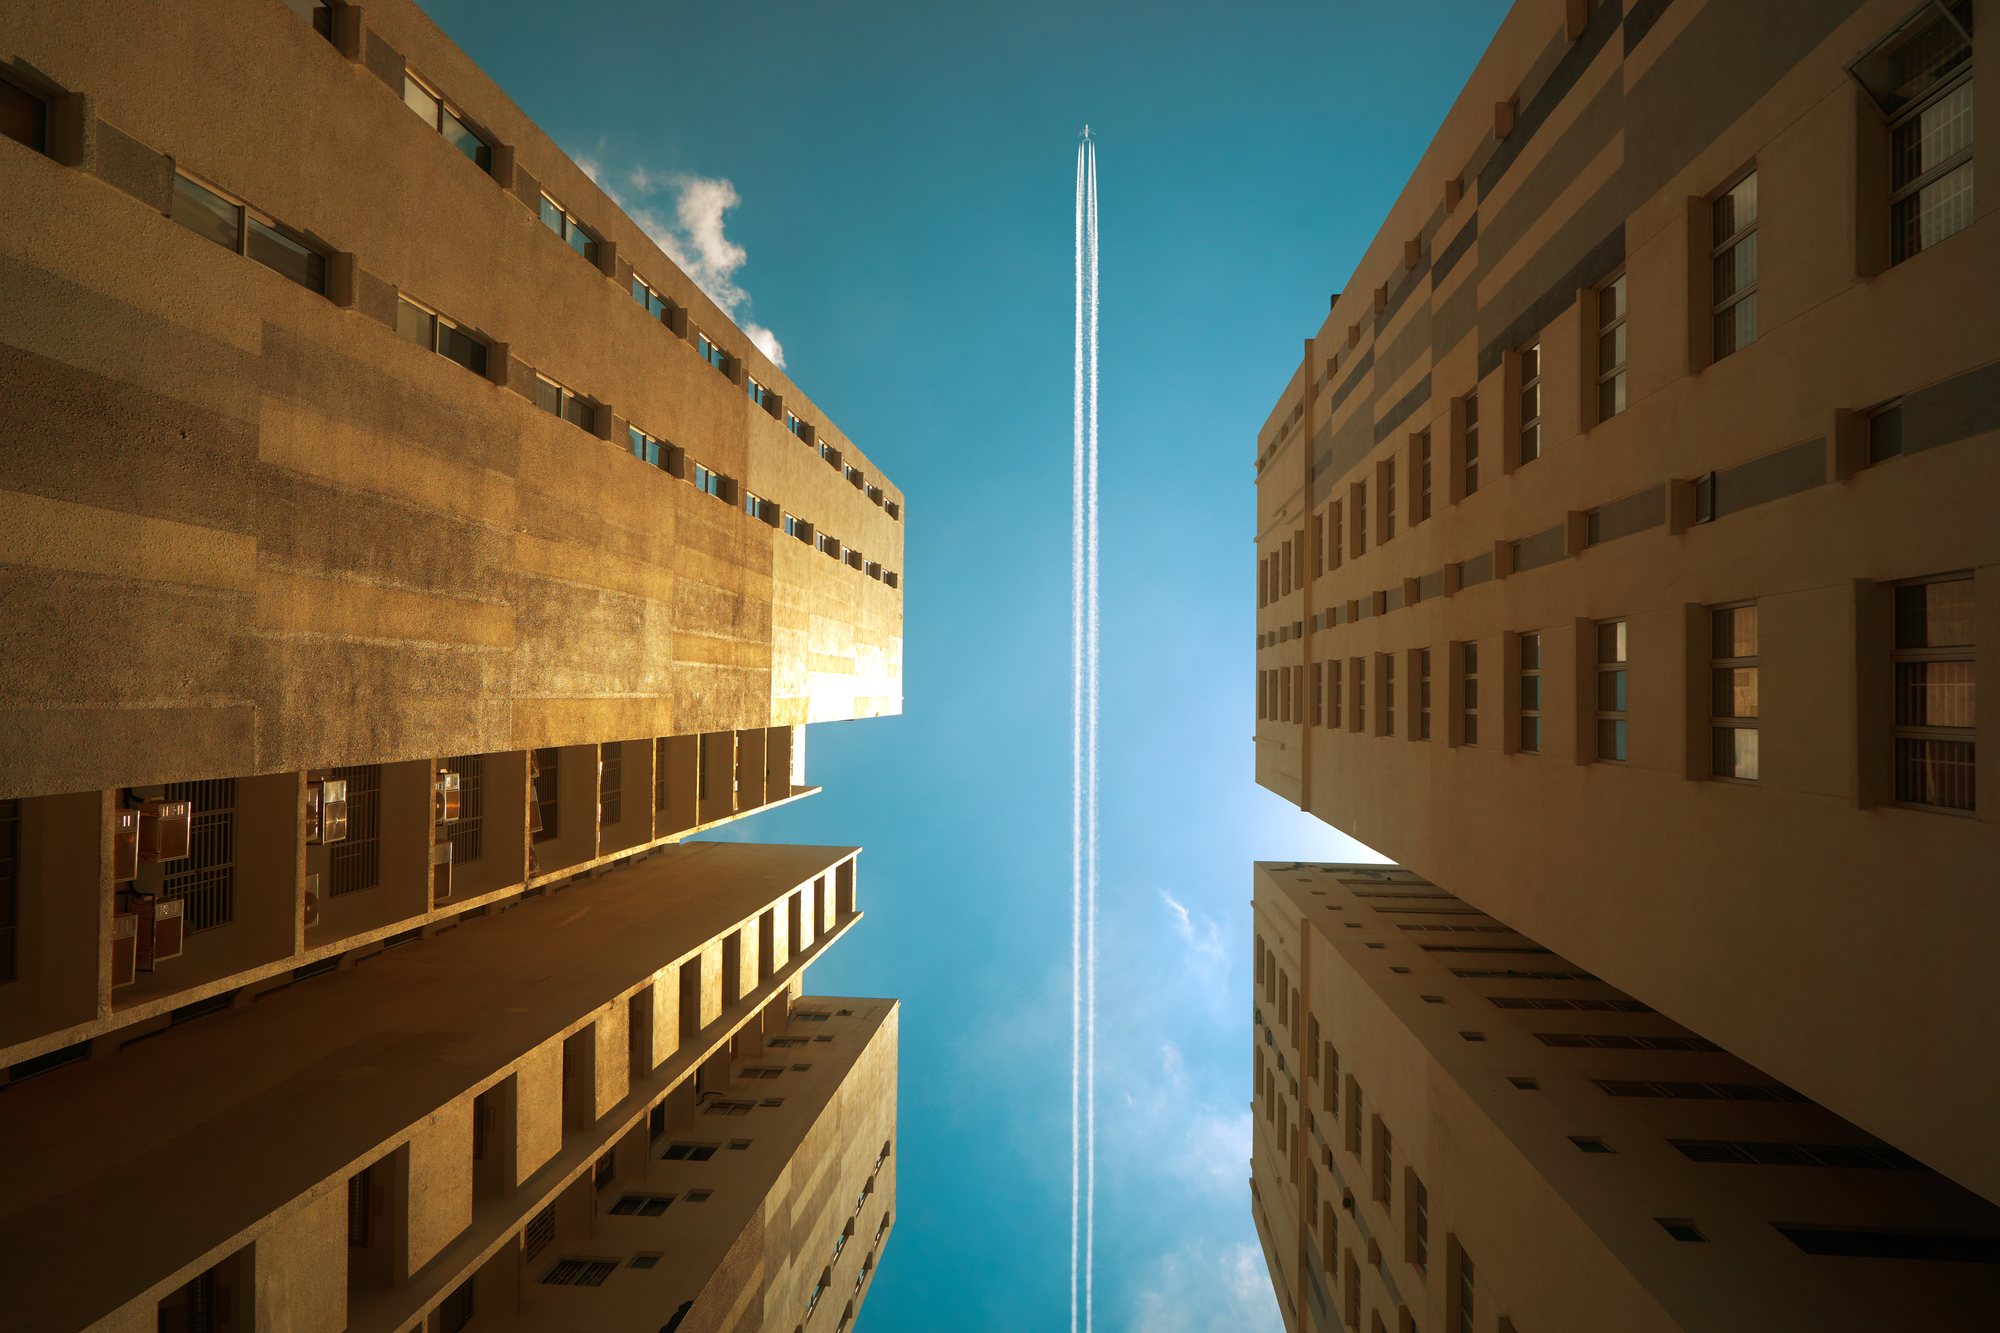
(546, 790)
(580, 1272)
(355, 862)
(205, 879)
(468, 835)
(359, 1210)
(535, 1237)
(611, 783)
(1934, 694)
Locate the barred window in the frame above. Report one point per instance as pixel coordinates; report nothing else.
(205, 879)
(355, 862)
(1934, 693)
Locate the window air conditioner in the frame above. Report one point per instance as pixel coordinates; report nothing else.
(445, 807)
(164, 829)
(125, 845)
(326, 810)
(169, 931)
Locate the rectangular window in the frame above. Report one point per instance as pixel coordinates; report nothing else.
(1471, 443)
(1735, 267)
(1337, 673)
(715, 356)
(456, 1311)
(655, 304)
(1339, 546)
(1469, 673)
(1423, 694)
(241, 230)
(1930, 137)
(580, 1272)
(1388, 499)
(1385, 1167)
(1360, 494)
(24, 118)
(560, 221)
(1733, 692)
(433, 332)
(1388, 694)
(1611, 690)
(544, 822)
(1416, 1205)
(758, 393)
(1531, 693)
(360, 1207)
(758, 507)
(441, 116)
(1934, 684)
(205, 879)
(1885, 431)
(554, 398)
(689, 1152)
(1531, 403)
(535, 1237)
(1463, 1284)
(1611, 348)
(1318, 696)
(1361, 694)
(1423, 476)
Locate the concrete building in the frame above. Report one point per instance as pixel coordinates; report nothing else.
(357, 437)
(1457, 1128)
(1658, 421)
(402, 557)
(595, 1108)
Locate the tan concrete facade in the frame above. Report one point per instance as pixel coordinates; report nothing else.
(1531, 467)
(250, 529)
(1457, 1128)
(585, 552)
(443, 1135)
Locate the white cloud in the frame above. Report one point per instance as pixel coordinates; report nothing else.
(694, 238)
(1206, 1287)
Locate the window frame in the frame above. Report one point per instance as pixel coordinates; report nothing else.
(1611, 381)
(1468, 677)
(1423, 699)
(1724, 247)
(1470, 455)
(1619, 667)
(42, 111)
(1530, 435)
(1932, 732)
(446, 107)
(1528, 659)
(246, 218)
(567, 227)
(440, 323)
(1951, 72)
(1719, 722)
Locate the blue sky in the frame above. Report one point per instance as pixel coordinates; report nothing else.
(902, 178)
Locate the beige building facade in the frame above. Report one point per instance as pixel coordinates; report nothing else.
(594, 1107)
(1658, 423)
(1457, 1128)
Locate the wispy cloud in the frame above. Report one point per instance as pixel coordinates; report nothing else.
(692, 233)
(1205, 1287)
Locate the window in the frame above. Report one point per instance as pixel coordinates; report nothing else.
(770, 1071)
(655, 304)
(1388, 499)
(642, 1205)
(795, 426)
(602, 1174)
(1733, 693)
(1712, 1092)
(559, 401)
(580, 1272)
(764, 511)
(558, 220)
(355, 862)
(1704, 498)
(647, 449)
(1423, 694)
(1360, 494)
(1417, 1220)
(772, 1101)
(1335, 668)
(729, 1108)
(441, 116)
(699, 1196)
(707, 482)
(1531, 693)
(1611, 348)
(893, 510)
(545, 812)
(1469, 672)
(1934, 709)
(1423, 476)
(688, 1152)
(1388, 694)
(1619, 1041)
(360, 1207)
(433, 332)
(1885, 431)
(1590, 1144)
(1531, 404)
(799, 528)
(243, 231)
(536, 1236)
(1525, 1084)
(1611, 690)
(1339, 533)
(758, 393)
(645, 1260)
(854, 476)
(1471, 443)
(456, 1310)
(1930, 138)
(1463, 1285)
(24, 118)
(205, 879)
(1735, 267)
(1384, 1176)
(712, 354)
(1879, 1157)
(1680, 1228)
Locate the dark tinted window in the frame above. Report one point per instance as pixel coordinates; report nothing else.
(283, 255)
(206, 213)
(24, 118)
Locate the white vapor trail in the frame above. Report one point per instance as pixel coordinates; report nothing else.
(1083, 763)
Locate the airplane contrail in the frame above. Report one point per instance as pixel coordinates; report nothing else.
(1083, 765)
